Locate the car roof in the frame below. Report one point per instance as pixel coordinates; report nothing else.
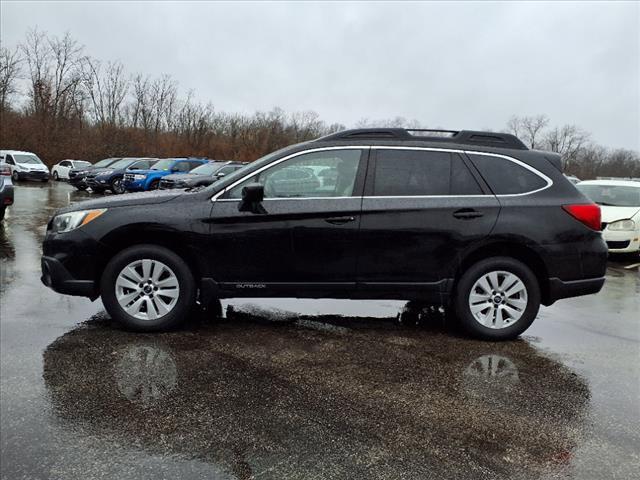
(11, 152)
(612, 183)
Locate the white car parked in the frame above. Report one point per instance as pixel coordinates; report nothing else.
(24, 165)
(60, 171)
(619, 202)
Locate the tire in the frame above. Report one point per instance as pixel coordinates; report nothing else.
(14, 176)
(2, 210)
(139, 318)
(56, 177)
(154, 185)
(116, 186)
(517, 309)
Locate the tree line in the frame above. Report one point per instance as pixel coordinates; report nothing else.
(58, 101)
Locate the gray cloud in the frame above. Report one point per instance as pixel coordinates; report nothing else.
(455, 65)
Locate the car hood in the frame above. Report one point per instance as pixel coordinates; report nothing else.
(612, 214)
(125, 200)
(97, 171)
(34, 166)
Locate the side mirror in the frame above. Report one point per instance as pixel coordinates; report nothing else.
(220, 175)
(252, 196)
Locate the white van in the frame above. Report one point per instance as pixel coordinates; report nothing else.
(24, 165)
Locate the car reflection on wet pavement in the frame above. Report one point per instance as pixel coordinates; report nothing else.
(285, 389)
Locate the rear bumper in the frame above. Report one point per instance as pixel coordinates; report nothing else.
(58, 278)
(573, 288)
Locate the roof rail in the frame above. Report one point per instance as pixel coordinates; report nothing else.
(466, 137)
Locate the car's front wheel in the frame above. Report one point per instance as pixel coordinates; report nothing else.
(117, 186)
(56, 177)
(497, 298)
(15, 176)
(148, 288)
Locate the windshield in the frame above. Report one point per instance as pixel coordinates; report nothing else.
(207, 168)
(164, 164)
(122, 163)
(612, 195)
(250, 167)
(81, 164)
(106, 162)
(29, 159)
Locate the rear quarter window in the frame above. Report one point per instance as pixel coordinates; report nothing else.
(506, 177)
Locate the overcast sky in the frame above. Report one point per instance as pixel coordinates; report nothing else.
(454, 65)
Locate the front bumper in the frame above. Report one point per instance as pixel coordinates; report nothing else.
(98, 183)
(72, 263)
(58, 278)
(622, 241)
(36, 176)
(134, 186)
(78, 181)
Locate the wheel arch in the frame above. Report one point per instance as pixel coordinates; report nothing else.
(518, 251)
(131, 236)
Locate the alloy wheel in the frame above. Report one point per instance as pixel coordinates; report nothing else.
(498, 299)
(147, 289)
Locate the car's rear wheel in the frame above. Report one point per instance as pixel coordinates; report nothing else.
(154, 185)
(497, 299)
(117, 186)
(148, 288)
(2, 209)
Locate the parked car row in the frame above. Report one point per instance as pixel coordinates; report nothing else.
(134, 174)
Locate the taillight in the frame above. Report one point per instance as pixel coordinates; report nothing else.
(589, 214)
(5, 170)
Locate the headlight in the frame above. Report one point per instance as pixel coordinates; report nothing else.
(72, 220)
(139, 177)
(622, 225)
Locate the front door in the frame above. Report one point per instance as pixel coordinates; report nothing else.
(421, 208)
(306, 241)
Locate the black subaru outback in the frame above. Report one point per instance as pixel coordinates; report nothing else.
(472, 221)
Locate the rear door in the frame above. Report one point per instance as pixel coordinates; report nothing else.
(421, 209)
(307, 239)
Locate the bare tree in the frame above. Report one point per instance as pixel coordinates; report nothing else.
(568, 141)
(10, 63)
(106, 90)
(529, 129)
(54, 70)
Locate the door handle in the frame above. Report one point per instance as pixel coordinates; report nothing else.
(339, 220)
(467, 213)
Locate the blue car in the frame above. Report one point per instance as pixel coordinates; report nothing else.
(142, 180)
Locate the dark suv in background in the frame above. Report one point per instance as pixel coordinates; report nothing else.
(472, 221)
(78, 176)
(201, 176)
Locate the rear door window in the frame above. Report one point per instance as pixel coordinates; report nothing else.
(506, 177)
(411, 173)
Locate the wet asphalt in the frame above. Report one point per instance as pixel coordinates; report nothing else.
(301, 389)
